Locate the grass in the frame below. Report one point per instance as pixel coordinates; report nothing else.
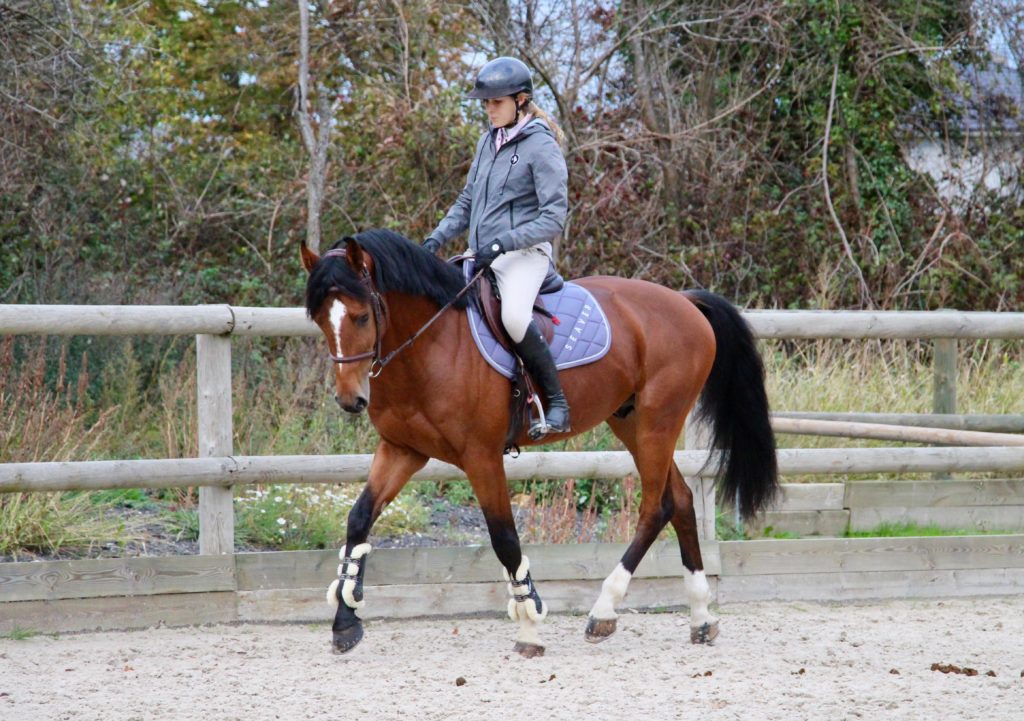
(908, 530)
(20, 634)
(142, 404)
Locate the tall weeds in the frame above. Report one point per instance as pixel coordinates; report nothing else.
(142, 404)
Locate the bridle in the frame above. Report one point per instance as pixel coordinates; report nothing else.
(380, 313)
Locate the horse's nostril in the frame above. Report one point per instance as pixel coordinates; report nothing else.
(361, 403)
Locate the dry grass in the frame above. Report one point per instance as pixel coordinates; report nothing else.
(282, 405)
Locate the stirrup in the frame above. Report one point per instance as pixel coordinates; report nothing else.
(540, 426)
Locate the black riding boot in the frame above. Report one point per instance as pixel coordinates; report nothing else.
(536, 355)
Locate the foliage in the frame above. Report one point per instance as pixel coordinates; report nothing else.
(155, 142)
(55, 522)
(910, 530)
(292, 517)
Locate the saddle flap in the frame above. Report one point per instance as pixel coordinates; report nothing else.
(490, 309)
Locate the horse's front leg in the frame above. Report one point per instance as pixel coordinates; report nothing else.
(391, 468)
(525, 605)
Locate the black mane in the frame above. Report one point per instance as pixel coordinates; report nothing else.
(399, 265)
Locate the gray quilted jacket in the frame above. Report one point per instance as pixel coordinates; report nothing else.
(517, 195)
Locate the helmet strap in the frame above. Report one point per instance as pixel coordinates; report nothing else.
(519, 110)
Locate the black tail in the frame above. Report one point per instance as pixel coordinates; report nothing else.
(735, 405)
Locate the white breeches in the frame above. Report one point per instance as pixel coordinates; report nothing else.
(520, 274)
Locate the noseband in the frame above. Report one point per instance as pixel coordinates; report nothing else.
(380, 312)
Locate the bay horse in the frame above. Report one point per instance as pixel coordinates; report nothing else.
(438, 398)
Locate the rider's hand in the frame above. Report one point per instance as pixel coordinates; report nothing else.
(431, 245)
(487, 253)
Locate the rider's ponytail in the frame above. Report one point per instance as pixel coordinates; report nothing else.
(535, 110)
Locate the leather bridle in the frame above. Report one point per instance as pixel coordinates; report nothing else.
(380, 313)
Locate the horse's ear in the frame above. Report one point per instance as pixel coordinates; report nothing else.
(355, 256)
(309, 258)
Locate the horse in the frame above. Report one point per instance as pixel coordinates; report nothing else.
(394, 319)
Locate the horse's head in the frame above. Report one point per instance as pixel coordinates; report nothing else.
(342, 301)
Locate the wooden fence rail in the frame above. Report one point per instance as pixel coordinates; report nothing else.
(244, 470)
(248, 321)
(987, 423)
(216, 470)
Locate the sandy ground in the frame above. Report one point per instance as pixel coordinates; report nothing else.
(784, 661)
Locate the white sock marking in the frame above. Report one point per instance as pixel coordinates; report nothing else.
(613, 590)
(698, 594)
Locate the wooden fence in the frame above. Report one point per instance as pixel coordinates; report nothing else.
(221, 585)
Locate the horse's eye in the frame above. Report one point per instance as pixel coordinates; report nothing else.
(362, 320)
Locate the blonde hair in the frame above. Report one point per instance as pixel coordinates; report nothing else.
(534, 110)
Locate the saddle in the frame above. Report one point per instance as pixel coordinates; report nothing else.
(524, 393)
(489, 304)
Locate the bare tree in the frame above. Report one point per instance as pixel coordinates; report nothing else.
(316, 132)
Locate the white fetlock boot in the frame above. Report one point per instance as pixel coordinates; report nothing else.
(527, 608)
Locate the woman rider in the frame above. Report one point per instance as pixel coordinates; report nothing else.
(514, 204)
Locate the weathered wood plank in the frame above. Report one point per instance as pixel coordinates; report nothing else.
(114, 319)
(190, 320)
(119, 613)
(402, 601)
(991, 423)
(463, 564)
(867, 585)
(94, 578)
(884, 324)
(982, 518)
(239, 470)
(811, 497)
(213, 409)
(870, 494)
(802, 523)
(905, 434)
(745, 558)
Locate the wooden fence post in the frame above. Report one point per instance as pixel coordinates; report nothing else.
(697, 436)
(944, 367)
(213, 376)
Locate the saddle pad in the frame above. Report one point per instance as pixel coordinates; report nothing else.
(582, 335)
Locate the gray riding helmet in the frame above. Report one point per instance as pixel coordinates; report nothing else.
(502, 77)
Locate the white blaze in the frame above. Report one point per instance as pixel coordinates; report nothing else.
(336, 316)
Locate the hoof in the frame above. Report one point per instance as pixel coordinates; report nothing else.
(347, 639)
(705, 633)
(599, 629)
(528, 650)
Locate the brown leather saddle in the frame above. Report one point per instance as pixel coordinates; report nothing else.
(489, 302)
(524, 393)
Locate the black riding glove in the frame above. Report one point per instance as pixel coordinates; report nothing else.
(431, 245)
(487, 253)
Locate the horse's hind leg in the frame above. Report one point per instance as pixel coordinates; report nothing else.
(703, 626)
(487, 476)
(391, 468)
(652, 448)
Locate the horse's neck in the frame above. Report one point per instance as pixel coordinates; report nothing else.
(407, 316)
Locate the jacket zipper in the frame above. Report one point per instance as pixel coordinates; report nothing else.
(487, 184)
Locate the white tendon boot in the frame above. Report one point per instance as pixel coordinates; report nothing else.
(703, 626)
(350, 577)
(527, 608)
(603, 620)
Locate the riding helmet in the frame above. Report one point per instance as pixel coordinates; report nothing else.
(501, 77)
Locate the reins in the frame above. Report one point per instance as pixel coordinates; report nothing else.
(380, 311)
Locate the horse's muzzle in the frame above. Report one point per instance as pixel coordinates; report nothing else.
(354, 407)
